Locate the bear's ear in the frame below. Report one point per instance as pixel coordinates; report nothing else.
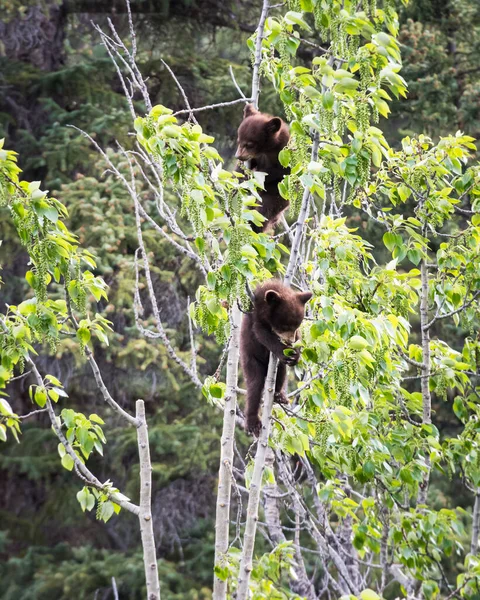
(304, 297)
(273, 125)
(272, 297)
(249, 111)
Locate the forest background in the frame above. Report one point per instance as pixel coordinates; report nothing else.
(54, 72)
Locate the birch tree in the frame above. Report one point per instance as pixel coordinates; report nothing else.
(356, 515)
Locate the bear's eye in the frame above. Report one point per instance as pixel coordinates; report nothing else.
(249, 145)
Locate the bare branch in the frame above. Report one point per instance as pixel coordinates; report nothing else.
(89, 477)
(239, 89)
(465, 305)
(212, 106)
(96, 372)
(182, 91)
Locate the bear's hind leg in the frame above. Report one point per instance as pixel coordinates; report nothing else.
(280, 395)
(255, 375)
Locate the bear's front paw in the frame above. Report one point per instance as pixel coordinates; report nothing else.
(293, 357)
(253, 425)
(280, 398)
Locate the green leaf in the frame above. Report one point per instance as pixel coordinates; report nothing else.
(51, 213)
(328, 100)
(346, 85)
(390, 240)
(414, 256)
(216, 390)
(105, 511)
(211, 280)
(53, 395)
(31, 278)
(83, 334)
(96, 419)
(68, 462)
(312, 92)
(295, 18)
(3, 433)
(357, 342)
(369, 594)
(82, 435)
(221, 572)
(40, 397)
(284, 157)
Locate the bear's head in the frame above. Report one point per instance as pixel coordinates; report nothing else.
(281, 308)
(259, 134)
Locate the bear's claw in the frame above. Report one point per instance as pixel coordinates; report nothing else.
(253, 425)
(280, 398)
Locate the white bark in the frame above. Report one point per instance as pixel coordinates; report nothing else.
(258, 53)
(246, 564)
(295, 251)
(225, 473)
(476, 523)
(301, 584)
(145, 515)
(425, 378)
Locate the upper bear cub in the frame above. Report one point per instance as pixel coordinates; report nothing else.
(260, 139)
(272, 326)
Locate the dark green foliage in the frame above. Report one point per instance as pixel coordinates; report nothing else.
(38, 508)
(64, 572)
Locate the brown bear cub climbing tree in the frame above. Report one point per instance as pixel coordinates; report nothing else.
(272, 326)
(260, 139)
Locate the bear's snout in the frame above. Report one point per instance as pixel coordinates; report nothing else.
(242, 155)
(287, 337)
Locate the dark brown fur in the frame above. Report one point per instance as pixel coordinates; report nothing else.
(260, 139)
(272, 326)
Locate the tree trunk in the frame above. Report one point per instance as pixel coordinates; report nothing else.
(145, 516)
(225, 475)
(37, 36)
(426, 396)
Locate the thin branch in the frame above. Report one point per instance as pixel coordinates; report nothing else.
(30, 414)
(239, 89)
(96, 372)
(89, 477)
(153, 300)
(212, 106)
(182, 91)
(412, 362)
(438, 317)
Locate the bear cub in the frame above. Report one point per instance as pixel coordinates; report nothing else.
(260, 139)
(272, 326)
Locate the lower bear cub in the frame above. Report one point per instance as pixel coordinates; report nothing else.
(272, 326)
(260, 139)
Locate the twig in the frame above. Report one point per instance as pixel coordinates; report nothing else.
(212, 106)
(96, 372)
(239, 89)
(90, 478)
(30, 414)
(114, 588)
(438, 317)
(182, 91)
